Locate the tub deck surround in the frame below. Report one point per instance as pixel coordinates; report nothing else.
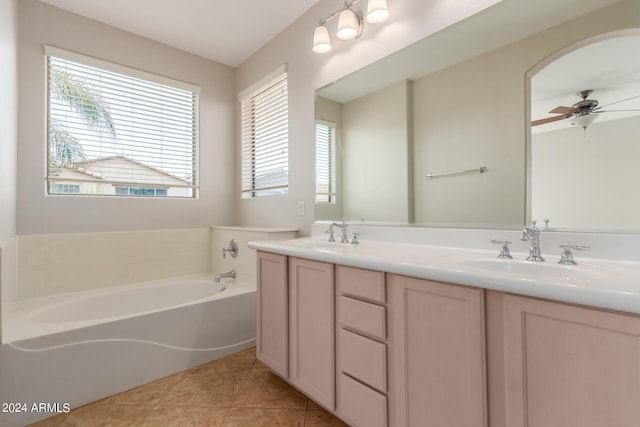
(596, 282)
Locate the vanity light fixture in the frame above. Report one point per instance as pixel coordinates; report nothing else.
(350, 23)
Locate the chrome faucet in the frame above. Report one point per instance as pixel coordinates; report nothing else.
(343, 226)
(231, 274)
(532, 234)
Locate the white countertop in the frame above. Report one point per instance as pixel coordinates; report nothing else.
(594, 282)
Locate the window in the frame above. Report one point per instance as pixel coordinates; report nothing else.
(265, 140)
(141, 191)
(112, 127)
(65, 188)
(325, 162)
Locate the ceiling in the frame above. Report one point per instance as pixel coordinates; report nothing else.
(223, 31)
(611, 68)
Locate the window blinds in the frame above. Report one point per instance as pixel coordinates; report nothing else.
(325, 158)
(265, 140)
(109, 130)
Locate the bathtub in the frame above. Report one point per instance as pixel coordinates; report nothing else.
(76, 348)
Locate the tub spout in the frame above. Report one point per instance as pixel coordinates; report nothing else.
(231, 274)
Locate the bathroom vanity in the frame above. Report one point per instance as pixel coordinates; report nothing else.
(390, 334)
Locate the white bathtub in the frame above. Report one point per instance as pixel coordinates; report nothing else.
(80, 347)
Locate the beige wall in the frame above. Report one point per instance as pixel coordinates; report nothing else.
(411, 20)
(472, 114)
(41, 24)
(599, 171)
(376, 151)
(8, 117)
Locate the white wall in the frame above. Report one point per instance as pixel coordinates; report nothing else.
(411, 20)
(41, 24)
(588, 180)
(8, 117)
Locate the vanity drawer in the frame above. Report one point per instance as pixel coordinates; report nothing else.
(364, 359)
(359, 283)
(364, 317)
(360, 405)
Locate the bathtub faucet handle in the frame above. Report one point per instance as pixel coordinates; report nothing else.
(231, 249)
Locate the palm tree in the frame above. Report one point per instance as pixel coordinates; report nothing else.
(64, 147)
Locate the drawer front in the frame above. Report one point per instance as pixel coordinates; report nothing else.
(359, 283)
(364, 359)
(360, 405)
(363, 317)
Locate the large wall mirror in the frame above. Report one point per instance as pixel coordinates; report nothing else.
(457, 101)
(585, 135)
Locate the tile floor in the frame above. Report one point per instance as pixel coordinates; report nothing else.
(237, 390)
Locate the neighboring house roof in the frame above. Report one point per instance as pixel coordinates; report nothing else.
(119, 168)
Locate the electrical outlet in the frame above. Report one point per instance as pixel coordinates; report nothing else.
(301, 208)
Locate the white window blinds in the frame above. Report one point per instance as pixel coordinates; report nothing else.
(265, 140)
(108, 130)
(325, 163)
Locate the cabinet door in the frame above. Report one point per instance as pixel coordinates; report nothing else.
(439, 358)
(570, 366)
(311, 351)
(272, 312)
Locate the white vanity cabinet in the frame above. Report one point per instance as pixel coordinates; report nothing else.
(566, 365)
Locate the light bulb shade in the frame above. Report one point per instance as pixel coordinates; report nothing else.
(584, 120)
(348, 25)
(321, 40)
(377, 11)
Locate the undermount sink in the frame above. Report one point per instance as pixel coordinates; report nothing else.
(544, 269)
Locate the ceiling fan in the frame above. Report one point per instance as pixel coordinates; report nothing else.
(582, 113)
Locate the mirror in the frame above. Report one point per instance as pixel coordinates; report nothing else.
(448, 105)
(584, 176)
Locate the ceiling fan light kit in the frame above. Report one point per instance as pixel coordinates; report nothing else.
(350, 23)
(582, 113)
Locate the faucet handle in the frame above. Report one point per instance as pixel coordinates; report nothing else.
(330, 231)
(355, 240)
(567, 256)
(504, 250)
(231, 249)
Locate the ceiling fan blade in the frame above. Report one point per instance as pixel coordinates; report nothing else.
(617, 102)
(615, 111)
(563, 110)
(547, 120)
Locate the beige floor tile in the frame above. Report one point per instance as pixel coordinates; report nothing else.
(320, 417)
(184, 417)
(263, 389)
(206, 389)
(260, 417)
(237, 390)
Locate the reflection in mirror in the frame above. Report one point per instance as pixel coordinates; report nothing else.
(454, 101)
(374, 149)
(585, 110)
